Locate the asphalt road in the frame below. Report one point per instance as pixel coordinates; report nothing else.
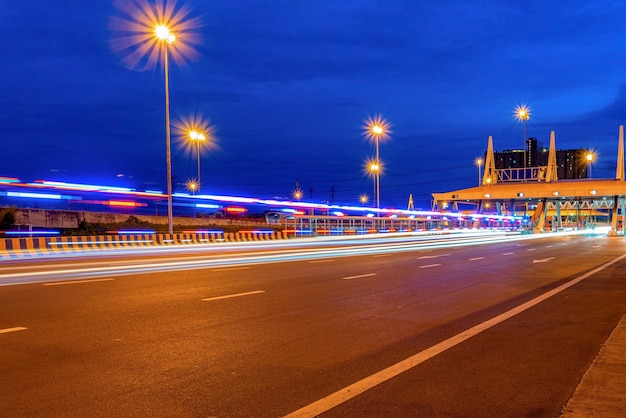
(465, 331)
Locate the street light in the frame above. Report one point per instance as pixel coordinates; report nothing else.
(377, 129)
(198, 138)
(192, 186)
(149, 33)
(479, 163)
(164, 35)
(589, 157)
(364, 199)
(522, 113)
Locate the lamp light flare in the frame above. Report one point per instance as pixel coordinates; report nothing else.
(192, 186)
(522, 113)
(193, 130)
(377, 128)
(142, 29)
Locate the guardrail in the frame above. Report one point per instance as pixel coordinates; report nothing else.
(36, 246)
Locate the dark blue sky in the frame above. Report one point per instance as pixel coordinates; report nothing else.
(289, 83)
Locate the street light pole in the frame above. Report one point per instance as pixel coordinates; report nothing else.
(479, 163)
(170, 216)
(589, 158)
(377, 174)
(522, 113)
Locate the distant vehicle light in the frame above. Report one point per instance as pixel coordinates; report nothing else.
(232, 209)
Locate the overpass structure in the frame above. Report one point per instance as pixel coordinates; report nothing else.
(538, 193)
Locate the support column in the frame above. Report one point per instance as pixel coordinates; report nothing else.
(559, 223)
(622, 207)
(613, 231)
(540, 215)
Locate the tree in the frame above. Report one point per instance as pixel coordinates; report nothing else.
(7, 218)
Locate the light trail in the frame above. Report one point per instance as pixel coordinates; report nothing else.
(76, 271)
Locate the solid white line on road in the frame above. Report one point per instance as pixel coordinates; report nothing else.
(4, 331)
(321, 261)
(76, 281)
(232, 269)
(476, 258)
(432, 256)
(507, 253)
(429, 266)
(359, 276)
(318, 407)
(235, 295)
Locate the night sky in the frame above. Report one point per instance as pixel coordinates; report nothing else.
(288, 84)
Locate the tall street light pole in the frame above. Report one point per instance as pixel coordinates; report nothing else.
(479, 164)
(376, 129)
(589, 158)
(163, 34)
(522, 113)
(197, 138)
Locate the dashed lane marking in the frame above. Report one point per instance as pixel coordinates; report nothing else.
(7, 330)
(429, 266)
(235, 295)
(359, 276)
(321, 261)
(507, 253)
(432, 256)
(476, 258)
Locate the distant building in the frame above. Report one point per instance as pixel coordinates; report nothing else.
(571, 164)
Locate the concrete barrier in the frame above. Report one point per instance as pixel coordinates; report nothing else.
(33, 247)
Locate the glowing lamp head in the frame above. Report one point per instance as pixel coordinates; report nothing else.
(163, 33)
(479, 162)
(522, 113)
(377, 130)
(193, 186)
(589, 157)
(374, 167)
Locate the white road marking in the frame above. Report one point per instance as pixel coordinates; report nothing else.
(432, 256)
(234, 295)
(359, 276)
(76, 281)
(507, 253)
(531, 249)
(595, 246)
(476, 258)
(232, 269)
(382, 255)
(318, 407)
(321, 261)
(429, 266)
(543, 260)
(6, 330)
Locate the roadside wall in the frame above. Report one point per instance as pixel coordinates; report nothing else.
(32, 247)
(44, 218)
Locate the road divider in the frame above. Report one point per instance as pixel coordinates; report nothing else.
(38, 246)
